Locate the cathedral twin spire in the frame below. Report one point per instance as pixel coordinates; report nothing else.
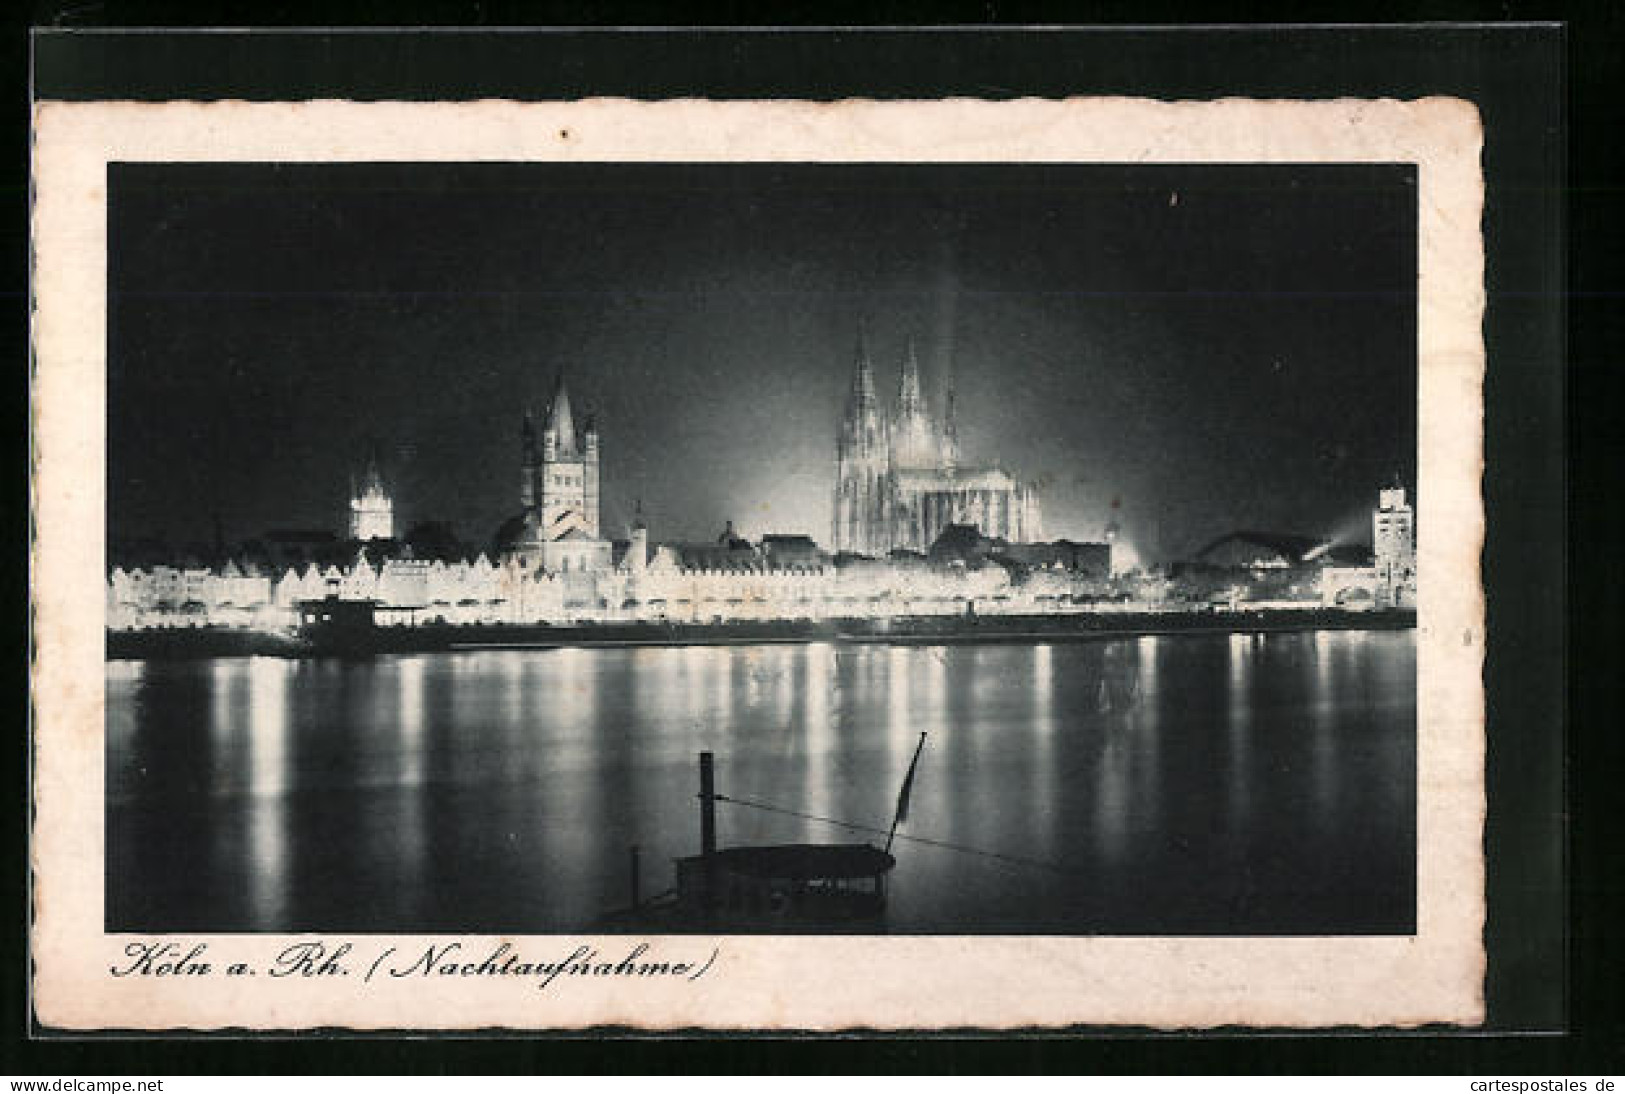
(863, 379)
(912, 437)
(899, 480)
(913, 440)
(909, 400)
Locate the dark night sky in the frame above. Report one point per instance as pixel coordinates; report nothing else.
(1218, 347)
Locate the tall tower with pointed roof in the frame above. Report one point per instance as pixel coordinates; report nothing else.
(862, 465)
(372, 511)
(559, 487)
(914, 443)
(558, 490)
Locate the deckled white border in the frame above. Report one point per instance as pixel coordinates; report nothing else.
(774, 983)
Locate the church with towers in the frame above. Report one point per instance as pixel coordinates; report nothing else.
(900, 480)
(372, 511)
(559, 492)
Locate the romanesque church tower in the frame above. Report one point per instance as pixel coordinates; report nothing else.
(862, 467)
(559, 475)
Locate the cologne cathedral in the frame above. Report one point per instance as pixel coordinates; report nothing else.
(899, 479)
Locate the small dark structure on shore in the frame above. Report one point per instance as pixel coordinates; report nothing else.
(338, 617)
(337, 613)
(337, 625)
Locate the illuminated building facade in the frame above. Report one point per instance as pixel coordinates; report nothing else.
(1393, 547)
(899, 478)
(372, 511)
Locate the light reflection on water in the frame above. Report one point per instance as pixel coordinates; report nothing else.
(268, 752)
(1198, 784)
(1238, 720)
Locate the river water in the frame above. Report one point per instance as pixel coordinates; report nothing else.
(1196, 784)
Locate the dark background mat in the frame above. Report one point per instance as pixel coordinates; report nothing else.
(1554, 961)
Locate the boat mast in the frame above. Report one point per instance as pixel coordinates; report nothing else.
(708, 832)
(904, 794)
(708, 805)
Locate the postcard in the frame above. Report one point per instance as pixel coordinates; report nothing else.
(765, 565)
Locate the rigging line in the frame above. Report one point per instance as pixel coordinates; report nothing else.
(804, 816)
(1014, 860)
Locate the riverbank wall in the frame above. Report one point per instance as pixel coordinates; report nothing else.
(204, 642)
